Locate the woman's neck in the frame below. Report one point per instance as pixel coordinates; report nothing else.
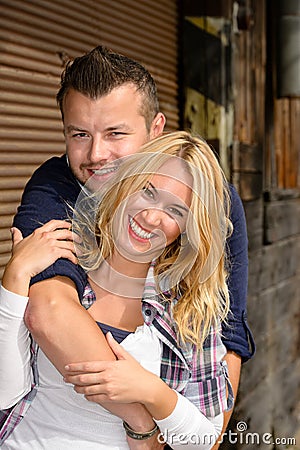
(128, 267)
(120, 276)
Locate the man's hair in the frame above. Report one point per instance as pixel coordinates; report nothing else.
(98, 72)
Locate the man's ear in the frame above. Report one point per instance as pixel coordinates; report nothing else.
(157, 126)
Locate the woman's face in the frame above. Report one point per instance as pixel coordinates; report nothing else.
(151, 219)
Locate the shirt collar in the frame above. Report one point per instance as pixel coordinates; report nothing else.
(150, 294)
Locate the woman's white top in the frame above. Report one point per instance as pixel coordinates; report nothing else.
(61, 419)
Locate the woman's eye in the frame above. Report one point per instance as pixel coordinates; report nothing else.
(148, 192)
(175, 211)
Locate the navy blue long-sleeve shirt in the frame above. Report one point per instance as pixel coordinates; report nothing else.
(51, 191)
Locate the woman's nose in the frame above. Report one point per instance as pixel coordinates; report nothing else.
(153, 216)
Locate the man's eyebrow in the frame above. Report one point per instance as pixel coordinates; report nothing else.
(118, 126)
(70, 128)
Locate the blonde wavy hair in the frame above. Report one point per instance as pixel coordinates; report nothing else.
(194, 265)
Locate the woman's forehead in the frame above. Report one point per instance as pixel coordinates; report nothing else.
(171, 189)
(174, 169)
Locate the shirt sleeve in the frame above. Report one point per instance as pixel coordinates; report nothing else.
(15, 369)
(48, 195)
(187, 428)
(237, 335)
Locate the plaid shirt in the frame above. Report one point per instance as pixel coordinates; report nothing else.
(199, 376)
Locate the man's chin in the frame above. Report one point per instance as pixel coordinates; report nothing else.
(96, 182)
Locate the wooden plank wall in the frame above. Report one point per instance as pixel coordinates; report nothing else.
(249, 87)
(287, 142)
(265, 169)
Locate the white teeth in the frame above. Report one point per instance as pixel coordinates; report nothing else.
(105, 170)
(138, 230)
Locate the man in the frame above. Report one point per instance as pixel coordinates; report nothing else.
(109, 109)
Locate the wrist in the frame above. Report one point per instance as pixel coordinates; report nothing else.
(133, 434)
(138, 418)
(15, 280)
(161, 400)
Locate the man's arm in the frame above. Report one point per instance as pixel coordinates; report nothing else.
(47, 195)
(234, 369)
(67, 333)
(61, 326)
(63, 329)
(50, 194)
(237, 336)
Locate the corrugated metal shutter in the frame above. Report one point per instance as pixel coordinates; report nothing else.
(36, 38)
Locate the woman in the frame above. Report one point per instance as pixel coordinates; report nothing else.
(163, 245)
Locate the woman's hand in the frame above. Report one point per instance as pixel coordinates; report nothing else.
(36, 252)
(121, 381)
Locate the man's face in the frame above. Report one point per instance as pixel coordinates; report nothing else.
(98, 132)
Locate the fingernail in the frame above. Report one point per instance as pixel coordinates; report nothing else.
(110, 335)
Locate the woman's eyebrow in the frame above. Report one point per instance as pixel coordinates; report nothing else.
(152, 187)
(184, 208)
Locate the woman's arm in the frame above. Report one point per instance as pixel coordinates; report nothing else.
(74, 326)
(15, 370)
(186, 427)
(29, 257)
(125, 381)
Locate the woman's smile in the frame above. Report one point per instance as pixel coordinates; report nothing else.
(137, 232)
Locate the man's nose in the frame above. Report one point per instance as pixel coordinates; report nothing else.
(99, 152)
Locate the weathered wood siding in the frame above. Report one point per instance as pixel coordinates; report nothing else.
(263, 151)
(266, 171)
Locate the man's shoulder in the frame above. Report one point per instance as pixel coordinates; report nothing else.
(57, 165)
(234, 195)
(236, 204)
(52, 183)
(54, 173)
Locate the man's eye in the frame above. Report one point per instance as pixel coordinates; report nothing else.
(118, 133)
(79, 135)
